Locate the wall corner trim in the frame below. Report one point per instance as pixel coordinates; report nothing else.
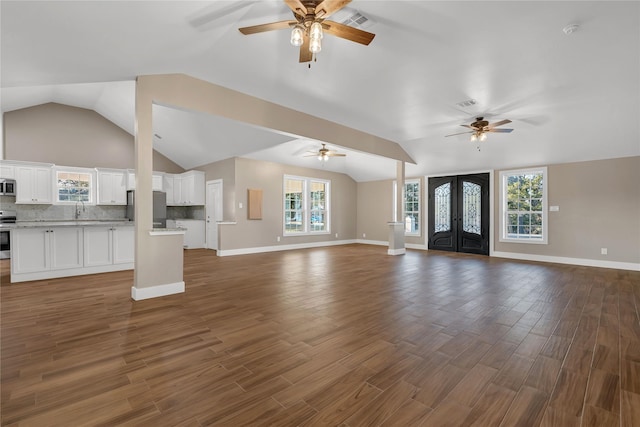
(138, 294)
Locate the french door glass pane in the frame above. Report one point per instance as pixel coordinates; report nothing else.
(471, 204)
(443, 207)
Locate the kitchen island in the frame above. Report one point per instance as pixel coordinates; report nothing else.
(51, 249)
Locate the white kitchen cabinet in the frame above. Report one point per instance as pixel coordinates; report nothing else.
(157, 179)
(168, 182)
(112, 187)
(123, 239)
(34, 184)
(108, 245)
(194, 237)
(42, 249)
(66, 247)
(7, 171)
(47, 252)
(188, 189)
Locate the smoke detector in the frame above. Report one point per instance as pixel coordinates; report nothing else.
(570, 29)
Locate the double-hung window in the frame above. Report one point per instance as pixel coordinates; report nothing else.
(523, 205)
(75, 185)
(306, 205)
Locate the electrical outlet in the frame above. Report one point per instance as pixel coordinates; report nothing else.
(277, 238)
(603, 251)
(364, 235)
(336, 235)
(240, 205)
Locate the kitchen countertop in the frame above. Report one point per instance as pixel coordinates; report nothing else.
(70, 223)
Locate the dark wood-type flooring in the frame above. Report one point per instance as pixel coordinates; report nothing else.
(344, 336)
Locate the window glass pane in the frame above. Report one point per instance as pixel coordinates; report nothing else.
(294, 216)
(471, 207)
(73, 186)
(305, 206)
(442, 207)
(318, 206)
(412, 207)
(524, 206)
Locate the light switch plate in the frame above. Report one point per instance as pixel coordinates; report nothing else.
(554, 208)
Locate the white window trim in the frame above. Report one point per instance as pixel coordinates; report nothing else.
(306, 203)
(503, 205)
(395, 198)
(93, 189)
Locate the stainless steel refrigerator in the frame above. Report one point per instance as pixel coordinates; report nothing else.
(159, 208)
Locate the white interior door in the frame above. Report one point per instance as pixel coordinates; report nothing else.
(213, 211)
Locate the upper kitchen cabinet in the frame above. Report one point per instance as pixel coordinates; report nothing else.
(157, 179)
(34, 183)
(7, 170)
(112, 187)
(187, 189)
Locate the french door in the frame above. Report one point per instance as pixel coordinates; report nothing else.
(459, 213)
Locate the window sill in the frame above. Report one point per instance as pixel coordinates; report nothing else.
(319, 233)
(530, 242)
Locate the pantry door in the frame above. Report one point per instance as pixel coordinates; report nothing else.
(459, 213)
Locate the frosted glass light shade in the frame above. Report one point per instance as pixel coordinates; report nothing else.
(297, 36)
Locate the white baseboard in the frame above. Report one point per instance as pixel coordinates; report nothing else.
(156, 291)
(565, 260)
(263, 249)
(80, 271)
(416, 246)
(400, 251)
(372, 242)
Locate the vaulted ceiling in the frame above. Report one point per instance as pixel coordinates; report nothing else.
(571, 97)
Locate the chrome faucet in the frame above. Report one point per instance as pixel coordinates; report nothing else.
(78, 208)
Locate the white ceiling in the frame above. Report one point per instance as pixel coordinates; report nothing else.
(571, 97)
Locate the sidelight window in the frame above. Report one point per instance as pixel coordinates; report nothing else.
(523, 204)
(412, 223)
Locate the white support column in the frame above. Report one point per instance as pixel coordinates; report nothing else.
(396, 228)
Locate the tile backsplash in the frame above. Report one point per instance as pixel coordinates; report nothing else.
(58, 212)
(67, 212)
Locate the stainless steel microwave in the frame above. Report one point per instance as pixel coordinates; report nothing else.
(7, 187)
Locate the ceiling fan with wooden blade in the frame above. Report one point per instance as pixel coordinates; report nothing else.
(324, 153)
(481, 127)
(309, 25)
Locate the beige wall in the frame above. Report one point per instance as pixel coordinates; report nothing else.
(268, 177)
(599, 208)
(71, 136)
(226, 171)
(375, 210)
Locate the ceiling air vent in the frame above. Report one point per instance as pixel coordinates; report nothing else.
(467, 103)
(356, 20)
(352, 18)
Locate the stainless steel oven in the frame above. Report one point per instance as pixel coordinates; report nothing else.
(7, 187)
(6, 217)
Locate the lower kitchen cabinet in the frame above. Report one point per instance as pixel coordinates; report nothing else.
(194, 237)
(108, 245)
(47, 252)
(44, 249)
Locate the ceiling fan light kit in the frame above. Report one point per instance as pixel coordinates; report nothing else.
(324, 153)
(297, 35)
(310, 25)
(481, 127)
